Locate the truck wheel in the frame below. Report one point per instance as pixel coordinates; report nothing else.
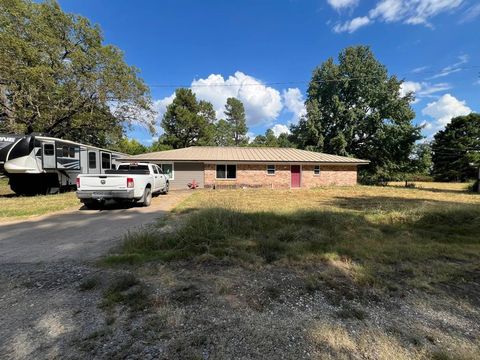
(92, 204)
(166, 188)
(147, 197)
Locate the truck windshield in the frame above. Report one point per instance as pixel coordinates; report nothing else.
(127, 167)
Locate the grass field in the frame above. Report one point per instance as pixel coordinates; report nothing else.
(14, 207)
(375, 233)
(366, 272)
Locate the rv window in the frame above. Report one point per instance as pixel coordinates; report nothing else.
(106, 161)
(71, 152)
(48, 150)
(92, 160)
(64, 151)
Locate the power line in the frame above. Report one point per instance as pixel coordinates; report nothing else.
(295, 82)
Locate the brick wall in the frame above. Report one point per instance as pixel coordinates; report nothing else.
(329, 175)
(255, 175)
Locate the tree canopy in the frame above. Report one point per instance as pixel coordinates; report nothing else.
(235, 116)
(455, 148)
(354, 108)
(270, 140)
(57, 77)
(188, 122)
(131, 147)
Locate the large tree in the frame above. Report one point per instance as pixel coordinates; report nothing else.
(187, 121)
(235, 115)
(270, 140)
(130, 147)
(456, 148)
(354, 108)
(223, 133)
(57, 76)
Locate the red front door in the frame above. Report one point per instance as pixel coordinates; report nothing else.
(295, 174)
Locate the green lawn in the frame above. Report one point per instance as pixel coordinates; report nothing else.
(14, 207)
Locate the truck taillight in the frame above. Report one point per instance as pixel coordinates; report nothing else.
(129, 182)
(78, 182)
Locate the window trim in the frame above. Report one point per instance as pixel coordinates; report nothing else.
(226, 172)
(101, 160)
(319, 170)
(53, 152)
(94, 158)
(160, 165)
(274, 170)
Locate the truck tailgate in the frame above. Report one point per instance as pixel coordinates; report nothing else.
(103, 182)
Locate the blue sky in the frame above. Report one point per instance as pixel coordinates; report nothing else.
(264, 51)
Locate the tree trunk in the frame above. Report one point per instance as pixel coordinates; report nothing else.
(6, 116)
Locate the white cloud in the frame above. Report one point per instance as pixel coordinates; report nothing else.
(422, 89)
(342, 4)
(251, 136)
(426, 125)
(294, 103)
(429, 89)
(470, 14)
(352, 25)
(280, 129)
(456, 67)
(444, 109)
(160, 106)
(262, 103)
(419, 69)
(409, 86)
(412, 12)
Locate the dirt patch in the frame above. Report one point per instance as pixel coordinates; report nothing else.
(219, 310)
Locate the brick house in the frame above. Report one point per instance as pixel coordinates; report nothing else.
(232, 167)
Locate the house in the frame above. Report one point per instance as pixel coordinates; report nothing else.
(277, 168)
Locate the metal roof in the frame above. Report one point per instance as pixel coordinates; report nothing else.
(244, 154)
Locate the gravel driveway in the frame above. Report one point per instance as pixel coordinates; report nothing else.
(77, 235)
(44, 260)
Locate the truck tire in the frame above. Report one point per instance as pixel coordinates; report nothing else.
(166, 188)
(92, 204)
(147, 197)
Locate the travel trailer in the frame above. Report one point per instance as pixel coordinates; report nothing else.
(38, 164)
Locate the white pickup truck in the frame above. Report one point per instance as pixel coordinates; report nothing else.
(130, 182)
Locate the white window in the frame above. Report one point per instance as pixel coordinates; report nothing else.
(316, 170)
(227, 171)
(168, 170)
(270, 169)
